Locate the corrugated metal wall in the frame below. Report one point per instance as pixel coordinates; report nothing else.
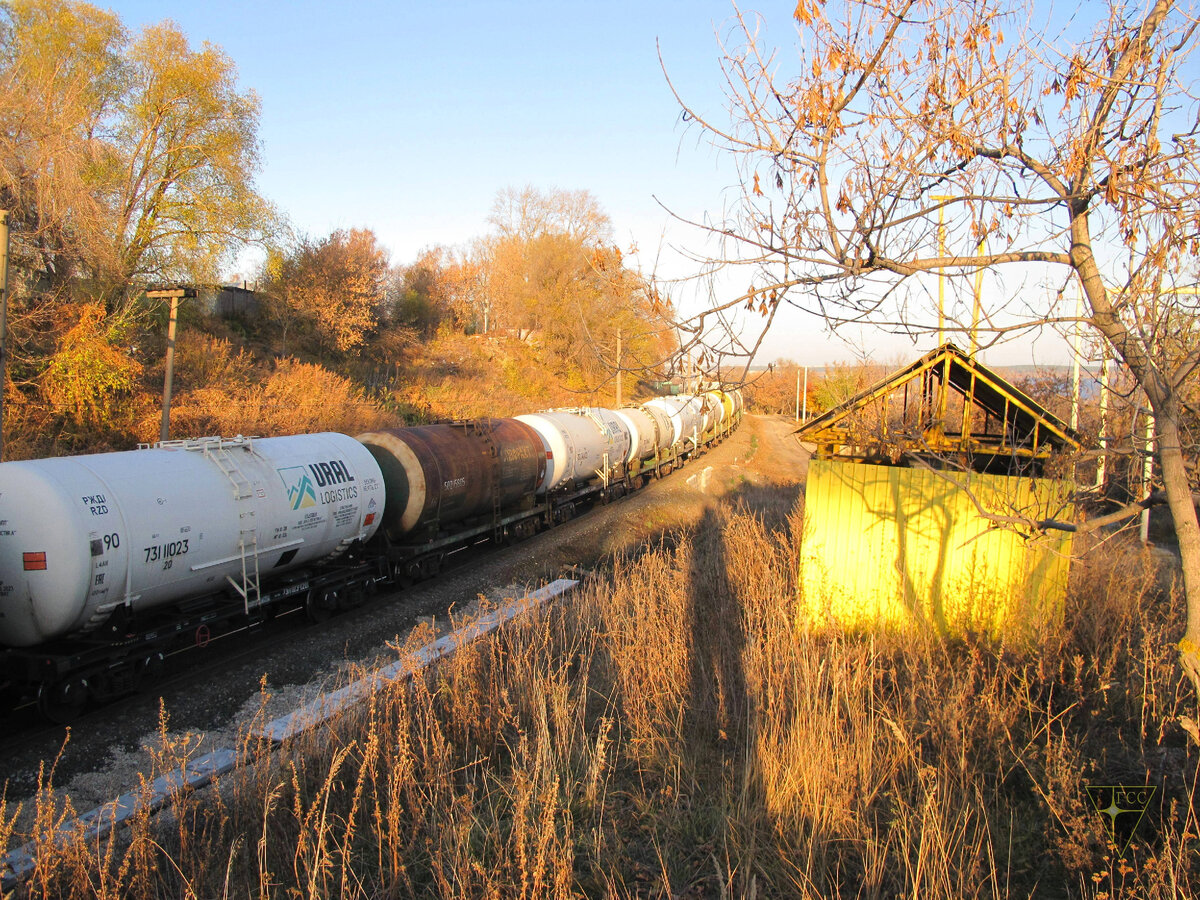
(899, 547)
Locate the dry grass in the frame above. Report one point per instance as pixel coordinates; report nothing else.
(672, 730)
(297, 398)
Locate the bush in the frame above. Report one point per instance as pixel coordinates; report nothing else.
(297, 398)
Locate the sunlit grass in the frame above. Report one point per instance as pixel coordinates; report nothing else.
(672, 730)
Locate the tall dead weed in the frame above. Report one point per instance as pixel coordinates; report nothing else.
(674, 730)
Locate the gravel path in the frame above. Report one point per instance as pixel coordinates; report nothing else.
(103, 757)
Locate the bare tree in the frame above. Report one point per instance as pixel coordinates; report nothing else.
(907, 138)
(527, 213)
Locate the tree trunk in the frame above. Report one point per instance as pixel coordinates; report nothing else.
(1187, 530)
(1165, 403)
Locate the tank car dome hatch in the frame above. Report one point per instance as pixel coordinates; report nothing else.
(84, 536)
(440, 474)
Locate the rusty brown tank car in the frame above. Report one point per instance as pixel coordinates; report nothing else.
(436, 475)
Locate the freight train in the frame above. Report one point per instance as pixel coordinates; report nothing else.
(111, 562)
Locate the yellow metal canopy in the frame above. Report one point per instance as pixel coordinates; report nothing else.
(946, 404)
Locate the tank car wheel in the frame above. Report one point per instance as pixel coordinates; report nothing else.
(63, 701)
(354, 595)
(414, 570)
(321, 605)
(151, 668)
(431, 565)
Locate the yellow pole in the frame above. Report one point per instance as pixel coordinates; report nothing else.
(941, 198)
(977, 308)
(941, 278)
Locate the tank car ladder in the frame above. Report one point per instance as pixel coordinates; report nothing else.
(606, 470)
(220, 452)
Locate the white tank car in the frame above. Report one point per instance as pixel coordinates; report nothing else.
(685, 412)
(82, 536)
(666, 432)
(579, 443)
(649, 431)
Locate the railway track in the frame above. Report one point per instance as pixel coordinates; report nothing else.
(251, 653)
(107, 743)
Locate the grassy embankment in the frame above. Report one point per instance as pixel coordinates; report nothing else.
(671, 730)
(228, 382)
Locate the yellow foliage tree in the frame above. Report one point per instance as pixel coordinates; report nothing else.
(332, 288)
(550, 274)
(88, 373)
(123, 158)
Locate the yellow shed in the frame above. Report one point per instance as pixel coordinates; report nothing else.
(917, 540)
(909, 548)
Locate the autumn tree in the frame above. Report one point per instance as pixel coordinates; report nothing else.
(58, 86)
(186, 141)
(125, 158)
(464, 283)
(122, 159)
(773, 391)
(422, 292)
(330, 289)
(550, 272)
(1046, 151)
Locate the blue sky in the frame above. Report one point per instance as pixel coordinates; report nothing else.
(408, 118)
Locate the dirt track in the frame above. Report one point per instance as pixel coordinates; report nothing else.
(760, 466)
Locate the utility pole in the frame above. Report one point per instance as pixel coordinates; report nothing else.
(802, 396)
(804, 414)
(3, 318)
(174, 295)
